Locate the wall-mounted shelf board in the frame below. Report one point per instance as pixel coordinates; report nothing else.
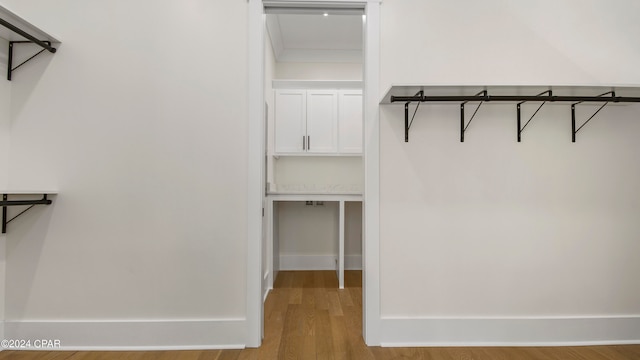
(6, 202)
(510, 94)
(316, 84)
(505, 90)
(17, 21)
(17, 31)
(19, 191)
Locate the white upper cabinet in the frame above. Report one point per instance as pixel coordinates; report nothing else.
(318, 121)
(290, 121)
(322, 121)
(350, 121)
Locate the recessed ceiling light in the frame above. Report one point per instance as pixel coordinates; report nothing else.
(325, 14)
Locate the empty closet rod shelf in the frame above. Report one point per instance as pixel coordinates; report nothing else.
(27, 35)
(496, 98)
(43, 201)
(31, 203)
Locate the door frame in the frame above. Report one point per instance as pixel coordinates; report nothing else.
(371, 159)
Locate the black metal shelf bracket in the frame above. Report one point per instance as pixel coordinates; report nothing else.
(521, 129)
(5, 203)
(407, 123)
(46, 45)
(10, 67)
(464, 127)
(574, 131)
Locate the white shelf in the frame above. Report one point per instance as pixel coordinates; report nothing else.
(599, 95)
(6, 202)
(627, 90)
(28, 191)
(22, 24)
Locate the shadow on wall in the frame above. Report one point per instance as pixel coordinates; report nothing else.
(28, 75)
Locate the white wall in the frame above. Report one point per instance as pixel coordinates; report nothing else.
(319, 173)
(318, 71)
(140, 121)
(306, 228)
(499, 242)
(506, 42)
(308, 235)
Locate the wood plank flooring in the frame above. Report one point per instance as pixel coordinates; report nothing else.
(307, 317)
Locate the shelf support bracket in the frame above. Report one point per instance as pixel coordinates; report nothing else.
(464, 127)
(10, 67)
(46, 45)
(574, 131)
(6, 203)
(521, 129)
(407, 123)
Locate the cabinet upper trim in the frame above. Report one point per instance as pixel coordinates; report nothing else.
(317, 84)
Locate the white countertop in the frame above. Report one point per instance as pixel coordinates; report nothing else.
(314, 193)
(299, 196)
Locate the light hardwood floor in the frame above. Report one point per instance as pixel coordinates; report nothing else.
(307, 317)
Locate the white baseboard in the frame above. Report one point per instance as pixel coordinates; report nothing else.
(132, 335)
(318, 262)
(526, 331)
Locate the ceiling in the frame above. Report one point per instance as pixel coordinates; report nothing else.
(316, 37)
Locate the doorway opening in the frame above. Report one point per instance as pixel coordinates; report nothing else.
(313, 90)
(260, 255)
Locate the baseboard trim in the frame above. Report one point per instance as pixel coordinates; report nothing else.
(318, 262)
(512, 331)
(206, 334)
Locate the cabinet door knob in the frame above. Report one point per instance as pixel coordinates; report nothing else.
(304, 147)
(308, 142)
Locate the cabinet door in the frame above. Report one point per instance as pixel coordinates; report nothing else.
(322, 121)
(350, 122)
(290, 121)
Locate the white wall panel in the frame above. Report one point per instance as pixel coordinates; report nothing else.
(492, 228)
(140, 121)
